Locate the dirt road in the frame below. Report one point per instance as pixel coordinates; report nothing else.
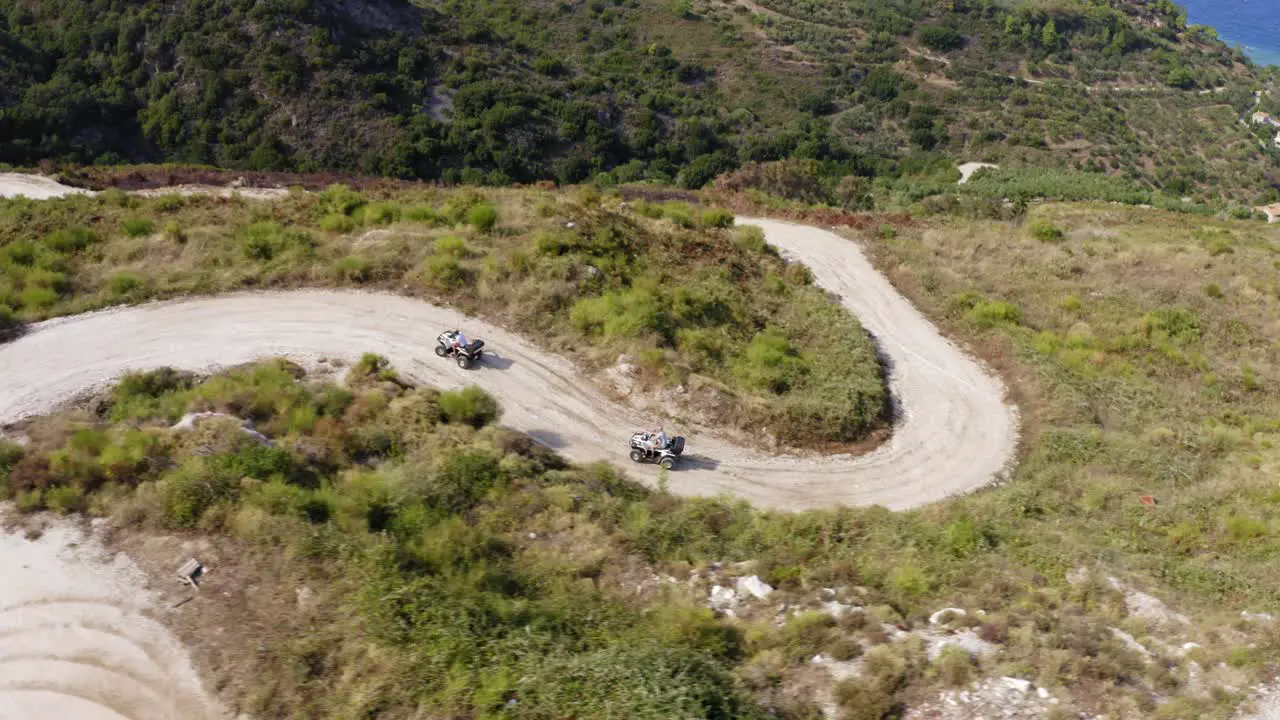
(36, 187)
(75, 639)
(955, 431)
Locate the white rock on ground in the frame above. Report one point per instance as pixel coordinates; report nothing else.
(1131, 642)
(968, 169)
(723, 598)
(966, 640)
(755, 587)
(838, 610)
(935, 618)
(1022, 686)
(190, 420)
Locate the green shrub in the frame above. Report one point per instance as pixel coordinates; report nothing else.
(910, 580)
(444, 272)
(845, 649)
(717, 218)
(341, 200)
(371, 366)
(69, 240)
(1213, 290)
(125, 283)
(679, 213)
(627, 314)
(173, 231)
(954, 666)
(137, 226)
(751, 238)
(380, 213)
(452, 246)
(469, 406)
(10, 454)
(1177, 325)
(197, 485)
(1242, 528)
(266, 241)
(863, 699)
(940, 38)
(887, 232)
(771, 363)
(29, 501)
(169, 202)
(1045, 231)
(337, 223)
(39, 298)
(9, 322)
(424, 214)
(989, 313)
(64, 499)
(647, 209)
(151, 384)
(483, 217)
(461, 477)
(352, 269)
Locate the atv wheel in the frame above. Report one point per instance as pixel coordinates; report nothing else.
(479, 354)
(442, 351)
(637, 455)
(667, 463)
(464, 361)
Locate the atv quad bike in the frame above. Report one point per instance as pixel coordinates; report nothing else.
(665, 457)
(466, 356)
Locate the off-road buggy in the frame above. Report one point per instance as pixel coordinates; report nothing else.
(465, 356)
(666, 457)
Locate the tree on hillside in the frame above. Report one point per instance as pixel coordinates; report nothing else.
(940, 38)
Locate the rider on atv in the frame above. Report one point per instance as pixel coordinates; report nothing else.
(658, 438)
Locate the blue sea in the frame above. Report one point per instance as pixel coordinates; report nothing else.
(1254, 24)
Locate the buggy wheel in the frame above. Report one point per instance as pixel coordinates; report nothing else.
(637, 455)
(464, 361)
(442, 351)
(667, 463)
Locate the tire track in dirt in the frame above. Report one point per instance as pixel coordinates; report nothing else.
(75, 638)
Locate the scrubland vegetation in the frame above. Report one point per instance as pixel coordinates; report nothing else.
(1139, 344)
(676, 287)
(617, 91)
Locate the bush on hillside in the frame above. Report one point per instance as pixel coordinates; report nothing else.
(940, 38)
(469, 406)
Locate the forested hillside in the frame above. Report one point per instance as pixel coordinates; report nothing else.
(622, 90)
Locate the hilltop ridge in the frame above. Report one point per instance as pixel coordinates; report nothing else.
(680, 92)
